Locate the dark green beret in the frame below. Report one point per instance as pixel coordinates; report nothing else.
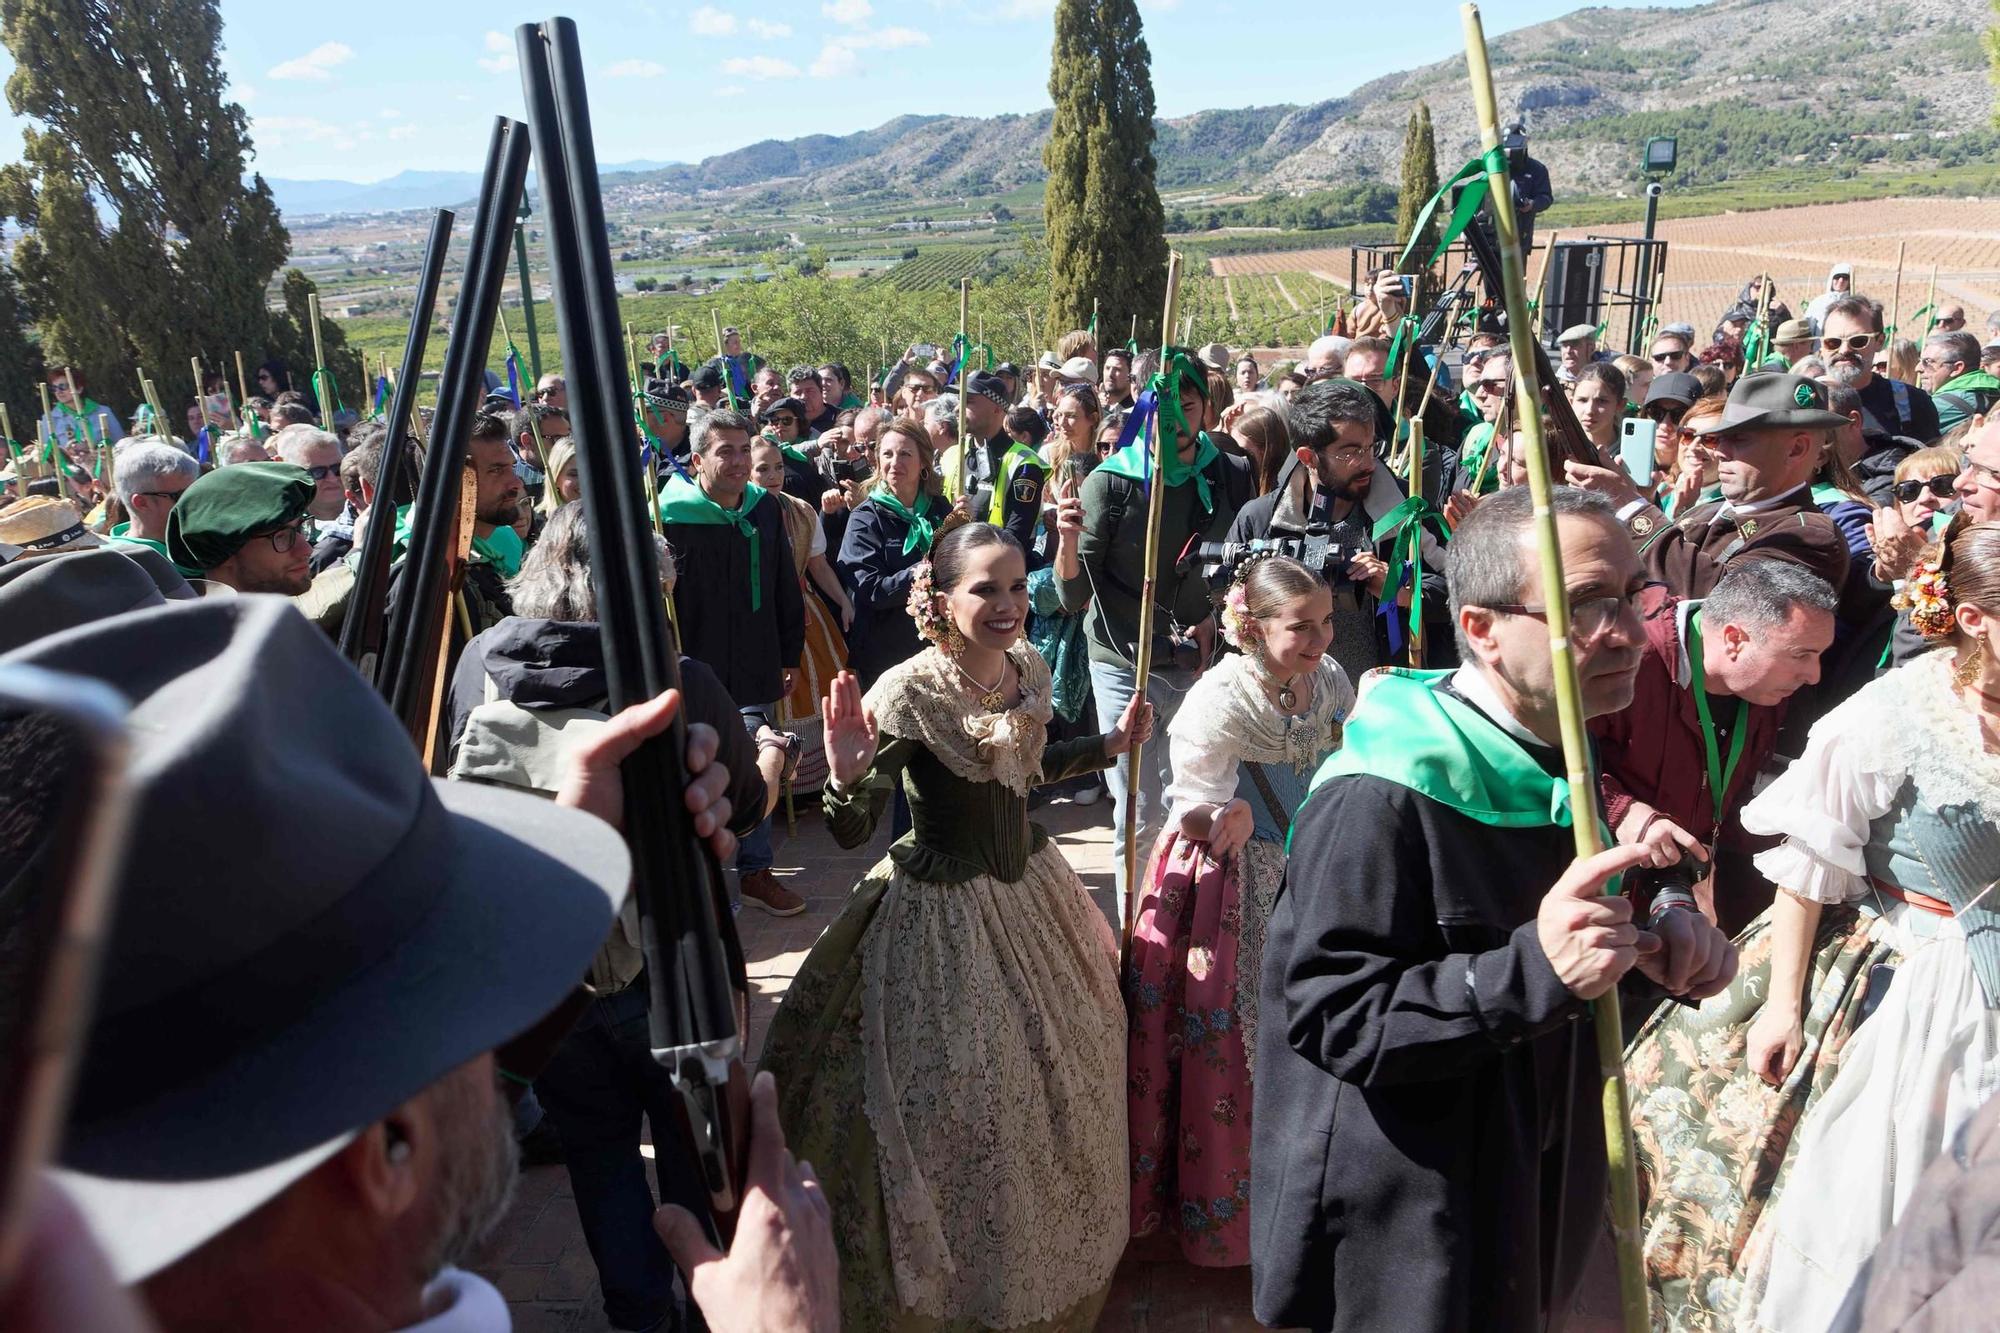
(223, 510)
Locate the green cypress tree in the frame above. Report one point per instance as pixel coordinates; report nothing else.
(145, 245)
(1991, 38)
(1420, 182)
(20, 359)
(1106, 228)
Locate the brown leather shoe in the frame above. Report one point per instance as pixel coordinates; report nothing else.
(761, 889)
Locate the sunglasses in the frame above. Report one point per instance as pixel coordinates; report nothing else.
(784, 419)
(1487, 388)
(1854, 342)
(323, 471)
(1942, 487)
(1662, 358)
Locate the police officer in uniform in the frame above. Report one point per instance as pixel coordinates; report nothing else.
(1003, 477)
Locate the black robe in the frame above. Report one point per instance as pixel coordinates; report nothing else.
(748, 650)
(1424, 1095)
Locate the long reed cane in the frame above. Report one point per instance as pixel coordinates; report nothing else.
(1569, 697)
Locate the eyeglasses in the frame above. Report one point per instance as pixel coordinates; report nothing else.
(1487, 388)
(1347, 450)
(1590, 618)
(59, 388)
(784, 419)
(283, 539)
(323, 471)
(1853, 342)
(1662, 358)
(1943, 488)
(168, 496)
(1990, 476)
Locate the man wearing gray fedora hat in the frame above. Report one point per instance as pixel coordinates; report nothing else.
(1769, 441)
(287, 1112)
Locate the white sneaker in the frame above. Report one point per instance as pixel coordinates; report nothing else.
(1090, 795)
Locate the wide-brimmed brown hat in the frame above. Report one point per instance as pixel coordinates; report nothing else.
(1774, 398)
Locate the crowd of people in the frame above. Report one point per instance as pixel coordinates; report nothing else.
(1346, 1043)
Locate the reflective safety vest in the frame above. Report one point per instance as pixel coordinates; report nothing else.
(1018, 456)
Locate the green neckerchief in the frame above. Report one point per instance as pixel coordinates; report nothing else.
(1131, 462)
(1825, 493)
(920, 531)
(83, 421)
(501, 548)
(681, 501)
(122, 534)
(794, 454)
(1414, 734)
(1972, 381)
(1719, 777)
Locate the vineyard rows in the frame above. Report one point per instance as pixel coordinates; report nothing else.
(938, 267)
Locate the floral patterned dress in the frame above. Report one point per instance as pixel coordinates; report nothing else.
(1197, 947)
(950, 1058)
(1720, 1153)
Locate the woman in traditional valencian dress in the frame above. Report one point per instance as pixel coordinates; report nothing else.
(1780, 1134)
(1245, 744)
(951, 1057)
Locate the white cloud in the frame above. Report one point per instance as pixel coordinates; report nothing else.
(731, 90)
(315, 65)
(403, 132)
(389, 113)
(837, 61)
(635, 69)
(847, 11)
(840, 58)
(708, 21)
(760, 67)
(499, 57)
(769, 31)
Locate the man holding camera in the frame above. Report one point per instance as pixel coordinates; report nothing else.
(1201, 485)
(1706, 708)
(1334, 485)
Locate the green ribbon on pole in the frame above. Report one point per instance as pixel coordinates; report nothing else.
(1403, 526)
(1476, 177)
(1928, 309)
(1406, 326)
(331, 396)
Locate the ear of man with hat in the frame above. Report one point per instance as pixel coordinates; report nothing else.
(1003, 477)
(286, 1108)
(1768, 443)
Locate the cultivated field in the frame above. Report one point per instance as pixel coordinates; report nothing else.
(1709, 258)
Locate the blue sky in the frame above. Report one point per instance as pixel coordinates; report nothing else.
(364, 89)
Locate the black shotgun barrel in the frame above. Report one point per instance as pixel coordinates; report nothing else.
(408, 668)
(685, 927)
(361, 631)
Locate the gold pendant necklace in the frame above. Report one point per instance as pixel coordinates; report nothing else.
(991, 697)
(1288, 698)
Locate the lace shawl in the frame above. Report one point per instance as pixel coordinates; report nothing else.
(1228, 718)
(923, 699)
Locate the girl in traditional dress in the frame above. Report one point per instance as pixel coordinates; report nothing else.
(1779, 1134)
(951, 1057)
(1244, 745)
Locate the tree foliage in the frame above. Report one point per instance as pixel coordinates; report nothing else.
(1101, 204)
(143, 246)
(290, 340)
(1991, 39)
(1420, 182)
(20, 358)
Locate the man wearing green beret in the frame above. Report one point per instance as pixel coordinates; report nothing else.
(244, 526)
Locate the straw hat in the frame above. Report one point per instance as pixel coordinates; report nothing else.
(41, 525)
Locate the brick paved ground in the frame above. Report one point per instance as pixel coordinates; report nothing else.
(537, 1256)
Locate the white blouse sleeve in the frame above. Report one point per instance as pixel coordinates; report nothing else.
(818, 544)
(1823, 805)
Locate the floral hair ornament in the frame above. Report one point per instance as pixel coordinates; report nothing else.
(1928, 597)
(932, 624)
(1236, 615)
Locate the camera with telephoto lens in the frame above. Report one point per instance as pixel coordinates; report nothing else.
(1329, 551)
(851, 469)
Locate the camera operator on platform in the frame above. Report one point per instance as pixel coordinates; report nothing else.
(1335, 485)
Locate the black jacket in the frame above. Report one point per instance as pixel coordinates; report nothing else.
(748, 650)
(560, 664)
(877, 573)
(1423, 1095)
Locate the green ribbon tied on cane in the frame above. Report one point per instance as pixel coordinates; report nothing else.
(326, 391)
(962, 349)
(918, 535)
(1403, 527)
(1928, 313)
(1476, 176)
(1406, 328)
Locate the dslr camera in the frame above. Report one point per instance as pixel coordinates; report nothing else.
(1327, 550)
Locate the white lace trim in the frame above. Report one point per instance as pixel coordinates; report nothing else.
(1228, 718)
(923, 700)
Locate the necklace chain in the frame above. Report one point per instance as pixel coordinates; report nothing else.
(991, 697)
(1288, 698)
